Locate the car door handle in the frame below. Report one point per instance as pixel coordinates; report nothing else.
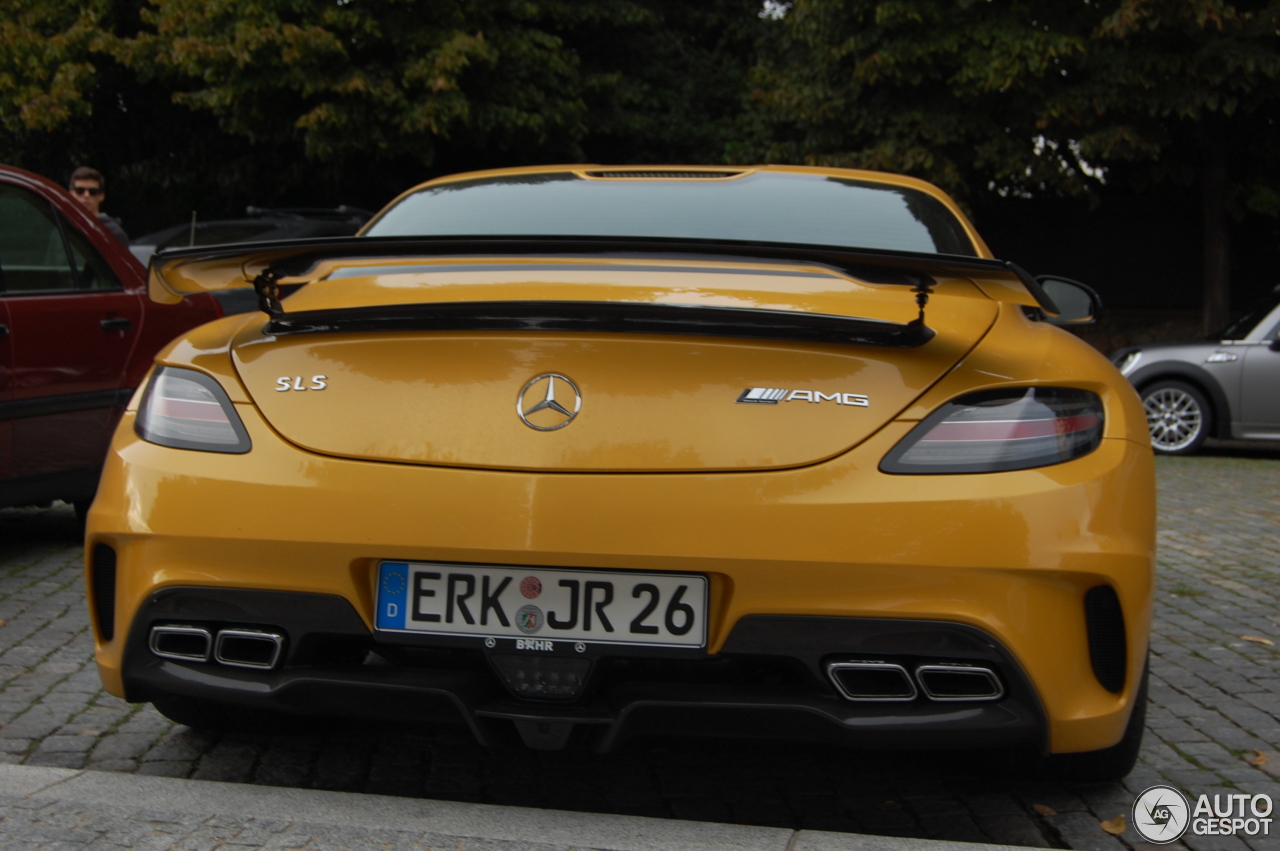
(4, 331)
(117, 324)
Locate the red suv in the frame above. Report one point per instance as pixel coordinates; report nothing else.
(77, 334)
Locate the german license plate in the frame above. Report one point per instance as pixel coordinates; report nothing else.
(664, 609)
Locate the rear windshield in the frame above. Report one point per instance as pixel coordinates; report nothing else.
(800, 209)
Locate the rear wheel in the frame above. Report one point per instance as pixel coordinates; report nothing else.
(1178, 416)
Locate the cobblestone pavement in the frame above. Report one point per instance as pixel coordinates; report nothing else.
(1213, 724)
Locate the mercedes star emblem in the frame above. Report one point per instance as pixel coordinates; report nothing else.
(553, 393)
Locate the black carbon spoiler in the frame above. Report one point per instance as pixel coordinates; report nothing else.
(273, 268)
(610, 316)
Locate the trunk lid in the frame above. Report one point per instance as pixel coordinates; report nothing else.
(644, 402)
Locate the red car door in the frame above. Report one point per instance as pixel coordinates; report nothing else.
(72, 327)
(6, 370)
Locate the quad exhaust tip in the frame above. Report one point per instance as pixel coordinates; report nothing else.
(872, 681)
(959, 682)
(248, 648)
(237, 648)
(864, 681)
(182, 643)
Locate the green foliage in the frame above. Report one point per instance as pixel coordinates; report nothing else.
(45, 64)
(1025, 97)
(382, 79)
(217, 103)
(1162, 80)
(951, 92)
(213, 104)
(669, 84)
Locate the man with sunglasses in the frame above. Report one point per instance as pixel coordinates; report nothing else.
(89, 188)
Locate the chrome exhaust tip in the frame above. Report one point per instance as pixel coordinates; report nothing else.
(959, 682)
(181, 643)
(248, 648)
(872, 681)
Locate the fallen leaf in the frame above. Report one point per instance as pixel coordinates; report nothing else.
(1044, 810)
(1270, 762)
(1114, 826)
(1258, 639)
(3, 622)
(1258, 759)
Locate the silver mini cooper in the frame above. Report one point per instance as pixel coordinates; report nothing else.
(1225, 387)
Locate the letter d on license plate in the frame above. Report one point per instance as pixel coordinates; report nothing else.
(666, 609)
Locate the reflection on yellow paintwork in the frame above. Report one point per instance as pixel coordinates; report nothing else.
(449, 398)
(414, 450)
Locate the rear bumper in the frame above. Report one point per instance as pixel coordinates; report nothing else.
(768, 681)
(1010, 555)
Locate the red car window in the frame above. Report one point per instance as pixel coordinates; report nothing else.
(93, 271)
(33, 254)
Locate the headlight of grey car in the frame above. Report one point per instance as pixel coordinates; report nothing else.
(1129, 361)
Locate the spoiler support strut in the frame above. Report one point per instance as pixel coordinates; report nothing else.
(267, 286)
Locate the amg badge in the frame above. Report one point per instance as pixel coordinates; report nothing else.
(773, 395)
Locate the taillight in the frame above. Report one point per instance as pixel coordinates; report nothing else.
(997, 430)
(186, 409)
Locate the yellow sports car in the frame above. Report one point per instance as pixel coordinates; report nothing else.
(574, 454)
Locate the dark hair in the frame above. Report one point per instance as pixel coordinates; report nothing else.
(86, 173)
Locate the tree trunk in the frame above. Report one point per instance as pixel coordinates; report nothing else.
(1217, 260)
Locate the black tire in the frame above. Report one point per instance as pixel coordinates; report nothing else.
(210, 715)
(1179, 416)
(1110, 763)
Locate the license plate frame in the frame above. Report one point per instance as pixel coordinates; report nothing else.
(637, 608)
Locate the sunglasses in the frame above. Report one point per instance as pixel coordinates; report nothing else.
(86, 190)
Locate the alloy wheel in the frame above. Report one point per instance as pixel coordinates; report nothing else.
(1174, 417)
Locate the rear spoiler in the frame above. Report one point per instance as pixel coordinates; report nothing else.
(272, 269)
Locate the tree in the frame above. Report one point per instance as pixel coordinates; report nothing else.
(210, 105)
(46, 69)
(345, 85)
(671, 85)
(1036, 98)
(946, 91)
(1186, 93)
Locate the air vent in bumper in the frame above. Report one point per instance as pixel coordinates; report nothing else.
(102, 582)
(1108, 647)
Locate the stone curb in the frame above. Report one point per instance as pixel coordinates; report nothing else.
(134, 797)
